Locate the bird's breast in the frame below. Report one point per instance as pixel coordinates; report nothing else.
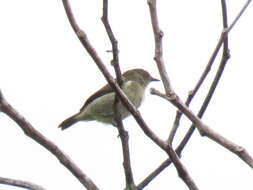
(134, 92)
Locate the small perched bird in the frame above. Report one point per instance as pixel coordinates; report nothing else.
(99, 106)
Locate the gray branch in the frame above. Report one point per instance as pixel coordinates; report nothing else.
(20, 183)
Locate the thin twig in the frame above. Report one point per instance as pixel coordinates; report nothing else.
(239, 15)
(192, 93)
(181, 170)
(153, 174)
(206, 101)
(158, 34)
(204, 130)
(20, 183)
(225, 56)
(124, 137)
(122, 132)
(114, 42)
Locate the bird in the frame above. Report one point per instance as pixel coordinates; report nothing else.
(99, 106)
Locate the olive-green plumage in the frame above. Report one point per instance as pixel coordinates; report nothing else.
(99, 106)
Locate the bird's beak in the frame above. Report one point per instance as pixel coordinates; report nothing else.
(154, 79)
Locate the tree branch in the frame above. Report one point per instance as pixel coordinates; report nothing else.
(239, 15)
(181, 170)
(31, 132)
(122, 132)
(124, 137)
(192, 93)
(20, 183)
(204, 130)
(153, 174)
(225, 56)
(114, 42)
(158, 34)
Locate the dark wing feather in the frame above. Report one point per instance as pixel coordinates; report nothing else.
(104, 90)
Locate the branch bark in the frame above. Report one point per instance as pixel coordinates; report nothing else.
(124, 137)
(20, 183)
(158, 34)
(114, 42)
(204, 130)
(31, 132)
(225, 56)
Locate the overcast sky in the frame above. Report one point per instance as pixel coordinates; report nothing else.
(47, 75)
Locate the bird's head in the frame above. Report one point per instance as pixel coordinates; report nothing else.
(139, 75)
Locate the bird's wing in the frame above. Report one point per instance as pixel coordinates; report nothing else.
(104, 90)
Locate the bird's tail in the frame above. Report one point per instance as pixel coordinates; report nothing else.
(68, 122)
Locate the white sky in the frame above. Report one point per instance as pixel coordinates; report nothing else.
(47, 75)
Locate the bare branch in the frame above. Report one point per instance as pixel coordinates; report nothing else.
(153, 174)
(158, 34)
(114, 42)
(20, 183)
(181, 170)
(192, 93)
(31, 132)
(204, 130)
(239, 15)
(225, 56)
(122, 132)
